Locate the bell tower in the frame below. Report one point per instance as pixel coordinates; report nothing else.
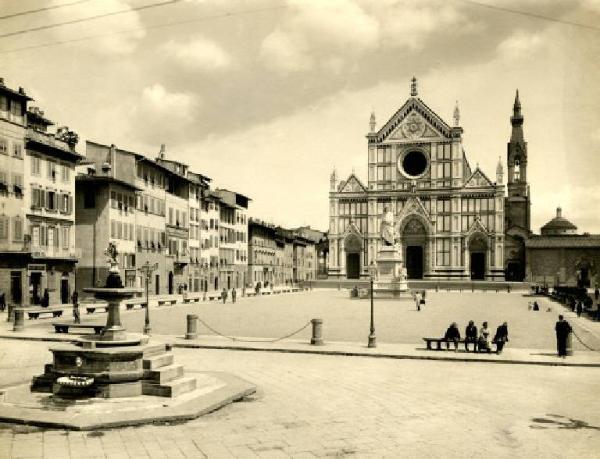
(518, 204)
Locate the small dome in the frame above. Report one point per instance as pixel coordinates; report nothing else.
(558, 225)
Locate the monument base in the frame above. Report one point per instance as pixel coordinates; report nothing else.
(391, 277)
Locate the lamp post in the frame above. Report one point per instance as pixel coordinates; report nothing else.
(372, 338)
(146, 270)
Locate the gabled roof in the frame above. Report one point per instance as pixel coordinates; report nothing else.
(478, 179)
(416, 104)
(352, 185)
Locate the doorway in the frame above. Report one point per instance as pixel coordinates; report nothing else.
(353, 265)
(35, 281)
(414, 261)
(64, 290)
(16, 293)
(157, 284)
(477, 265)
(170, 282)
(514, 272)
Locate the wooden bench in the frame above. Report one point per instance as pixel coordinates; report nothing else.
(169, 301)
(92, 308)
(214, 297)
(439, 342)
(64, 327)
(132, 304)
(34, 313)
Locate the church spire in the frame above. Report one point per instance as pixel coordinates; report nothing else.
(456, 115)
(413, 87)
(372, 122)
(517, 121)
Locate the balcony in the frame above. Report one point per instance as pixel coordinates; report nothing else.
(46, 139)
(55, 252)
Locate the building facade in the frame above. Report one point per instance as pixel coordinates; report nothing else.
(449, 217)
(37, 189)
(263, 251)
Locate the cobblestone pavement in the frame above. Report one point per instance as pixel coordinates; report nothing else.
(273, 316)
(315, 406)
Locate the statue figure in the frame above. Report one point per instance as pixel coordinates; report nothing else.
(111, 252)
(114, 278)
(387, 230)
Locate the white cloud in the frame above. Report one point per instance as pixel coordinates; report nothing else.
(159, 101)
(117, 43)
(200, 53)
(519, 45)
(314, 31)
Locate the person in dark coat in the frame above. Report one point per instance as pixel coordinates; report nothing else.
(501, 337)
(562, 328)
(46, 299)
(75, 301)
(224, 295)
(471, 336)
(452, 334)
(233, 295)
(2, 301)
(536, 306)
(579, 308)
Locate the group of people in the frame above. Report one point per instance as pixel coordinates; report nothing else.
(225, 294)
(481, 339)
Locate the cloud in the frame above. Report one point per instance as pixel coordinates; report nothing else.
(159, 101)
(313, 32)
(199, 54)
(117, 43)
(520, 44)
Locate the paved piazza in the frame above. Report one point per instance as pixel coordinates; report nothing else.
(315, 406)
(273, 316)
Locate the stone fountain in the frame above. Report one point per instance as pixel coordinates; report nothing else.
(75, 390)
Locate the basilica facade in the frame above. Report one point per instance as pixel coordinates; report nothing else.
(451, 220)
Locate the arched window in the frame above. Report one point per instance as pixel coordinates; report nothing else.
(517, 174)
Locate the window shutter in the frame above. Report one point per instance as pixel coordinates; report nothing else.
(69, 205)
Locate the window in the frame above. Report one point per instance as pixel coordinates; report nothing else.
(52, 170)
(65, 172)
(3, 146)
(443, 252)
(3, 104)
(113, 229)
(17, 150)
(18, 185)
(65, 237)
(17, 229)
(3, 182)
(3, 227)
(51, 201)
(35, 165)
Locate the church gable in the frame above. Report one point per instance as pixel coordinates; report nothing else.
(478, 180)
(414, 120)
(476, 227)
(352, 185)
(413, 206)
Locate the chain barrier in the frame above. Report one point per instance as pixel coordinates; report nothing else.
(233, 338)
(579, 339)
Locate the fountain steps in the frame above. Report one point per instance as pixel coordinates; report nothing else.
(157, 361)
(164, 374)
(170, 389)
(152, 350)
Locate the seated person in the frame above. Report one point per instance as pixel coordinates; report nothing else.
(452, 334)
(485, 342)
(501, 337)
(536, 306)
(471, 336)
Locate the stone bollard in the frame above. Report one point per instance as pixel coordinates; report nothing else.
(317, 330)
(192, 327)
(569, 346)
(19, 323)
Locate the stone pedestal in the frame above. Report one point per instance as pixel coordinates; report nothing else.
(390, 283)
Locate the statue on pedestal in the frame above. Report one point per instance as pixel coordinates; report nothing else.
(387, 230)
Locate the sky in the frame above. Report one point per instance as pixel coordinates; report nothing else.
(266, 97)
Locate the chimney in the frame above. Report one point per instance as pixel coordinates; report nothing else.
(2, 82)
(21, 90)
(558, 212)
(161, 153)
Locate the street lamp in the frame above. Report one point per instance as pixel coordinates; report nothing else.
(372, 274)
(146, 270)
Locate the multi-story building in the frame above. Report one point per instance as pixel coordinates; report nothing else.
(263, 251)
(210, 210)
(199, 186)
(233, 238)
(449, 217)
(37, 187)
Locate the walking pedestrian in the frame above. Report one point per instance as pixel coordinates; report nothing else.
(579, 308)
(224, 295)
(501, 337)
(75, 301)
(233, 295)
(563, 329)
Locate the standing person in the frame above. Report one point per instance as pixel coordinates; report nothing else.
(2, 301)
(75, 301)
(485, 343)
(233, 295)
(501, 337)
(596, 293)
(417, 301)
(563, 329)
(579, 308)
(224, 295)
(46, 299)
(471, 336)
(452, 334)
